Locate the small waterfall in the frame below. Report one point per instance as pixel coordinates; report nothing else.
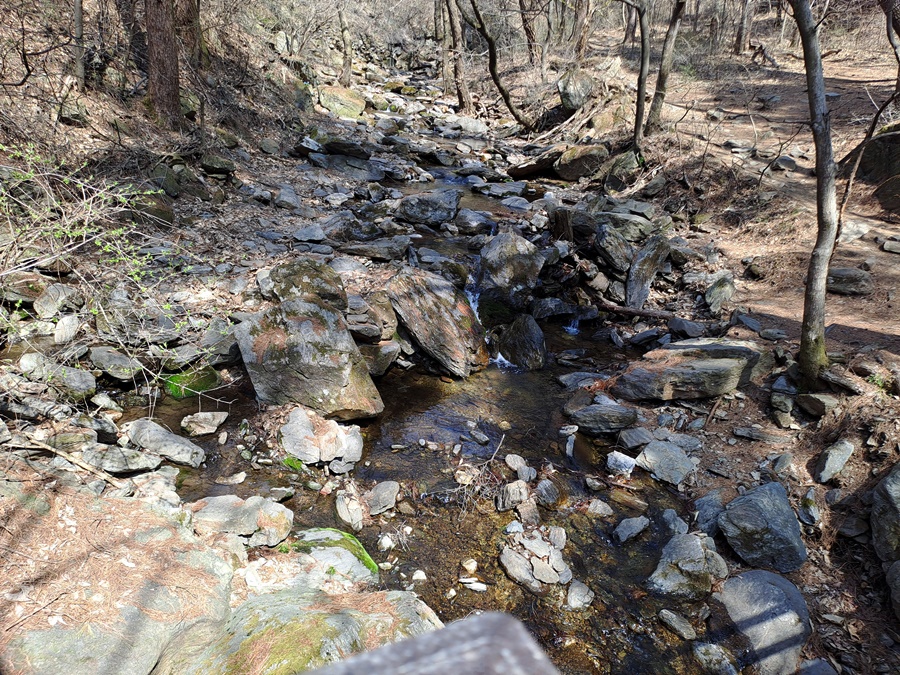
(501, 362)
(572, 328)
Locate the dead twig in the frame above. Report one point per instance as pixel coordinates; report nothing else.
(77, 461)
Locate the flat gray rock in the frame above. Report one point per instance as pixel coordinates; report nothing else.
(203, 423)
(620, 464)
(762, 529)
(832, 460)
(665, 461)
(603, 418)
(519, 569)
(688, 567)
(113, 459)
(151, 436)
(511, 495)
(772, 614)
(630, 528)
(382, 497)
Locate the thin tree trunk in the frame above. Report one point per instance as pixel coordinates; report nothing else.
(137, 38)
(640, 104)
(482, 29)
(631, 22)
(892, 13)
(162, 53)
(812, 357)
(665, 67)
(583, 17)
(442, 35)
(188, 28)
(530, 34)
(743, 31)
(79, 45)
(459, 72)
(347, 67)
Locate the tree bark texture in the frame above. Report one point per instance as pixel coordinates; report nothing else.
(528, 28)
(347, 43)
(493, 67)
(137, 38)
(459, 71)
(162, 53)
(641, 8)
(189, 30)
(654, 117)
(812, 356)
(743, 32)
(79, 44)
(583, 17)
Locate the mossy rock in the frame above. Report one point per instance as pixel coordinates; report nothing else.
(191, 382)
(152, 209)
(326, 537)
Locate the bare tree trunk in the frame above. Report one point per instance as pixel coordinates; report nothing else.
(162, 54)
(665, 67)
(459, 71)
(812, 356)
(631, 22)
(482, 29)
(442, 35)
(137, 38)
(530, 34)
(347, 67)
(641, 8)
(188, 28)
(79, 45)
(743, 32)
(892, 13)
(695, 19)
(583, 16)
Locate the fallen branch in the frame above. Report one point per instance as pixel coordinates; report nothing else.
(77, 461)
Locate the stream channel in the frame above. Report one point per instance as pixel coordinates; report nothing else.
(424, 434)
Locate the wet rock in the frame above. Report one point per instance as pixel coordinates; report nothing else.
(620, 464)
(832, 460)
(575, 88)
(709, 507)
(151, 436)
(714, 659)
(114, 363)
(522, 343)
(546, 493)
(674, 524)
(579, 595)
(603, 418)
(688, 567)
(579, 161)
(519, 569)
(771, 614)
(74, 383)
(630, 528)
(647, 263)
(510, 266)
(666, 461)
(430, 208)
(849, 281)
(382, 497)
(385, 250)
(342, 102)
(885, 517)
(313, 439)
(301, 352)
(440, 320)
(203, 423)
(471, 222)
(762, 529)
(511, 495)
(677, 624)
(264, 521)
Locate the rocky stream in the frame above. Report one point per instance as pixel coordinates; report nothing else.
(380, 383)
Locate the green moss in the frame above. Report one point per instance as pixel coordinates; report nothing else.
(294, 464)
(191, 382)
(347, 541)
(283, 649)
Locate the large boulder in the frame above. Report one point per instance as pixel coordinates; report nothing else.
(580, 161)
(575, 88)
(763, 530)
(538, 164)
(263, 521)
(342, 102)
(73, 383)
(313, 439)
(688, 369)
(440, 320)
(522, 343)
(648, 261)
(688, 568)
(304, 279)
(301, 352)
(430, 208)
(885, 516)
(510, 266)
(771, 614)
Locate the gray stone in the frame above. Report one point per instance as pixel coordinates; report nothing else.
(603, 418)
(817, 405)
(310, 233)
(55, 298)
(715, 659)
(688, 568)
(74, 383)
(677, 624)
(720, 292)
(816, 667)
(203, 423)
(349, 508)
(666, 461)
(630, 528)
(599, 508)
(301, 352)
(66, 329)
(113, 459)
(575, 88)
(635, 437)
(579, 595)
(510, 266)
(686, 329)
(885, 517)
(471, 222)
(430, 208)
(379, 358)
(522, 343)
(613, 249)
(580, 161)
(762, 529)
(546, 493)
(312, 439)
(893, 582)
(440, 320)
(384, 250)
(620, 464)
(832, 460)
(149, 435)
(519, 569)
(382, 497)
(771, 613)
(342, 102)
(674, 524)
(304, 279)
(287, 198)
(266, 522)
(511, 495)
(849, 281)
(809, 512)
(647, 263)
